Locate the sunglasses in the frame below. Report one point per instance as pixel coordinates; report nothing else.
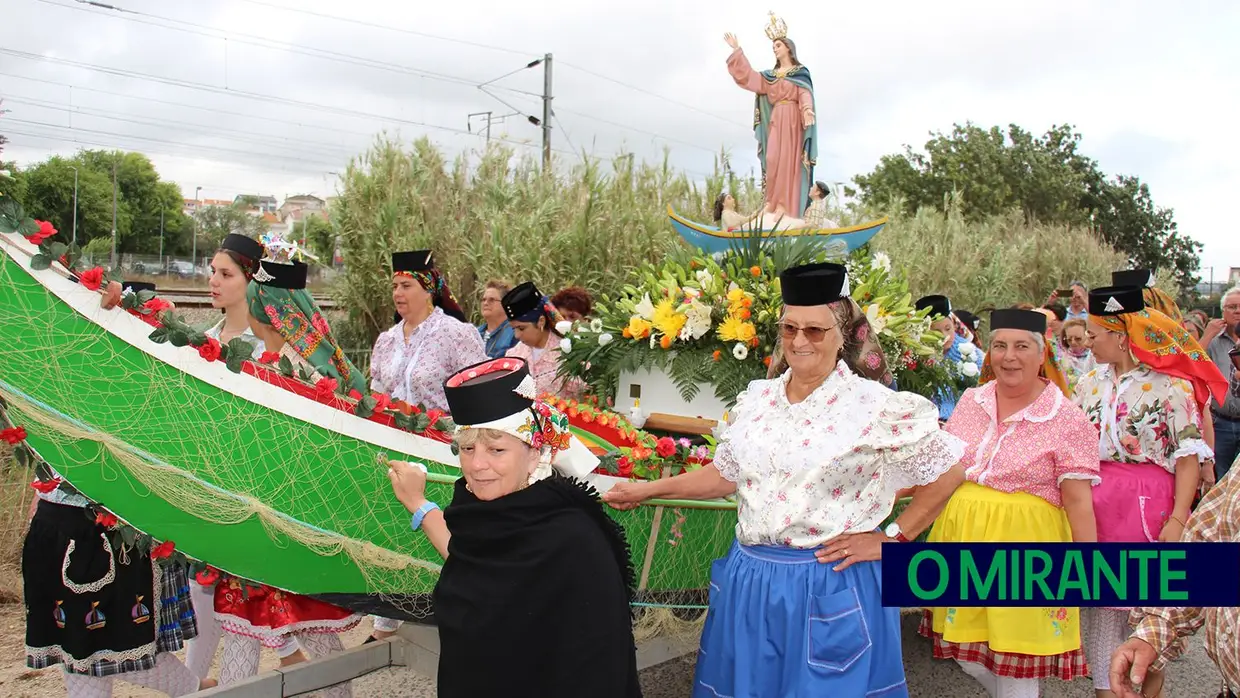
(814, 334)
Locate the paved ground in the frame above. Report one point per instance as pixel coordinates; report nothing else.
(1192, 677)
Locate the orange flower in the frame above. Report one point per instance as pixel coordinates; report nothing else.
(587, 417)
(744, 313)
(666, 342)
(766, 361)
(753, 342)
(572, 412)
(715, 355)
(755, 270)
(746, 301)
(626, 334)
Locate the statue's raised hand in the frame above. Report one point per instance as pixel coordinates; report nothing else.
(731, 39)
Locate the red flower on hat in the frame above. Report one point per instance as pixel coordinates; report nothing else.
(163, 550)
(665, 447)
(13, 436)
(210, 349)
(46, 486)
(92, 279)
(44, 232)
(106, 519)
(269, 357)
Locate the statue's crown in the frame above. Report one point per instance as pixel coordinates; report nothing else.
(777, 29)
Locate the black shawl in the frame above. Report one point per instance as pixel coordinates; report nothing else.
(534, 597)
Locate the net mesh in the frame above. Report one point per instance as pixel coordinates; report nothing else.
(261, 494)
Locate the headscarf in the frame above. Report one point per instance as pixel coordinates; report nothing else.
(1163, 344)
(294, 314)
(433, 282)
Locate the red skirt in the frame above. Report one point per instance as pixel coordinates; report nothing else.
(271, 615)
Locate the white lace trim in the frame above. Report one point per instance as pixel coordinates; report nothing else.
(83, 666)
(1094, 480)
(96, 585)
(922, 463)
(1192, 447)
(274, 638)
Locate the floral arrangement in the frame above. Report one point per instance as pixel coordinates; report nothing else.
(701, 320)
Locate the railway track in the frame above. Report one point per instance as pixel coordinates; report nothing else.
(201, 298)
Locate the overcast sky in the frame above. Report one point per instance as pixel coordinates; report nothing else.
(1153, 86)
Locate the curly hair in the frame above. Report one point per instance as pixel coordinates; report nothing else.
(575, 299)
(861, 351)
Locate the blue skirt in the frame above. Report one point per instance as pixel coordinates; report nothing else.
(783, 625)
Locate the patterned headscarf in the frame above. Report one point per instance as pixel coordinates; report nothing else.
(1164, 345)
(432, 281)
(1158, 299)
(295, 315)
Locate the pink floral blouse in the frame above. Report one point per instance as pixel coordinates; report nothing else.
(544, 369)
(1032, 451)
(414, 370)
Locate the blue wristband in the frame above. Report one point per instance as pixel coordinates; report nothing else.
(427, 507)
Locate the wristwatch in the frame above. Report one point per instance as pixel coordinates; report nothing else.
(893, 531)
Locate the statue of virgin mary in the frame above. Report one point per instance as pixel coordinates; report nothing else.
(784, 122)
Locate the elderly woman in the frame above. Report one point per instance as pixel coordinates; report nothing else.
(1031, 459)
(534, 321)
(1077, 356)
(497, 336)
(430, 342)
(816, 457)
(1146, 398)
(534, 595)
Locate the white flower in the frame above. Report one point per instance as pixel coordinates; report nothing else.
(596, 325)
(706, 280)
(697, 322)
(969, 369)
(645, 309)
(690, 292)
(654, 341)
(881, 261)
(878, 321)
(563, 327)
(566, 345)
(605, 339)
(740, 351)
(967, 350)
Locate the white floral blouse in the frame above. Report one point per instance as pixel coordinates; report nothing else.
(1143, 416)
(414, 369)
(830, 464)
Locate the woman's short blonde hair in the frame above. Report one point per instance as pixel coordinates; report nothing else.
(466, 438)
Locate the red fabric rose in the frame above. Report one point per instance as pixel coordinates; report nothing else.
(45, 231)
(269, 357)
(624, 467)
(106, 519)
(382, 401)
(355, 395)
(163, 550)
(91, 278)
(207, 576)
(210, 350)
(46, 486)
(665, 447)
(13, 436)
(325, 388)
(433, 415)
(157, 305)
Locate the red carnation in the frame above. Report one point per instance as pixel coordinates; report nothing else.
(163, 550)
(106, 519)
(433, 415)
(665, 447)
(207, 576)
(46, 486)
(624, 466)
(13, 436)
(269, 357)
(45, 231)
(382, 401)
(210, 350)
(325, 388)
(91, 278)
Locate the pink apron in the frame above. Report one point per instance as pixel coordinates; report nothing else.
(1132, 502)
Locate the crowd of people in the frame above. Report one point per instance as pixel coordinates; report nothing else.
(1099, 421)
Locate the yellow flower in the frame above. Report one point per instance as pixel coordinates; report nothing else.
(667, 320)
(734, 329)
(638, 328)
(1146, 387)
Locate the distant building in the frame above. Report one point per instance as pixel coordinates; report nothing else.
(191, 205)
(1233, 277)
(296, 208)
(255, 202)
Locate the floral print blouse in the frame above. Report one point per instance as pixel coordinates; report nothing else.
(1142, 416)
(830, 464)
(414, 369)
(1032, 451)
(545, 367)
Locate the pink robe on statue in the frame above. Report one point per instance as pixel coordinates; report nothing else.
(785, 154)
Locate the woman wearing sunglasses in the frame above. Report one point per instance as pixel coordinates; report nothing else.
(816, 455)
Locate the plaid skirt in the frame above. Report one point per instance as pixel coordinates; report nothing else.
(95, 610)
(1066, 666)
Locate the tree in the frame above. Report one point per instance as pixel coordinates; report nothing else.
(320, 237)
(215, 222)
(993, 172)
(141, 197)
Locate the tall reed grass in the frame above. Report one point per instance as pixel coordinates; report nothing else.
(591, 226)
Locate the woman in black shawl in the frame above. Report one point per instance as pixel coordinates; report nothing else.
(533, 599)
